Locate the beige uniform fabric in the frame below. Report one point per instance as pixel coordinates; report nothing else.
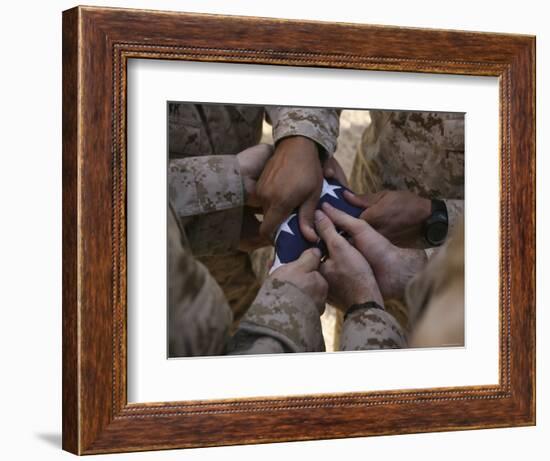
(422, 152)
(198, 130)
(371, 328)
(436, 297)
(205, 191)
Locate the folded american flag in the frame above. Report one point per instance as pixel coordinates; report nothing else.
(289, 241)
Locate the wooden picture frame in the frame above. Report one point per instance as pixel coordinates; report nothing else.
(97, 43)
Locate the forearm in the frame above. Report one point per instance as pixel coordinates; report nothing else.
(281, 319)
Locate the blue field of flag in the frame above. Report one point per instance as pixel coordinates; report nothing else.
(289, 241)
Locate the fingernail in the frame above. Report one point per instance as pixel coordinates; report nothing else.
(327, 205)
(319, 215)
(316, 251)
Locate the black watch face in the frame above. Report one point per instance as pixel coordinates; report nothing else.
(436, 233)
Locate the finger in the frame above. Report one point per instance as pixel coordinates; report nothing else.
(332, 169)
(306, 215)
(309, 260)
(364, 237)
(326, 268)
(328, 172)
(372, 216)
(273, 218)
(363, 201)
(344, 221)
(328, 233)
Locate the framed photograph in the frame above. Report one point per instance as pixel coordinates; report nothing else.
(282, 230)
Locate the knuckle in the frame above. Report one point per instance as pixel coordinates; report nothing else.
(338, 244)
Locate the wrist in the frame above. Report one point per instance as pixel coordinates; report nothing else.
(363, 306)
(424, 208)
(369, 294)
(302, 145)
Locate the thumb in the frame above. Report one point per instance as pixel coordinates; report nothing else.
(309, 260)
(306, 215)
(362, 201)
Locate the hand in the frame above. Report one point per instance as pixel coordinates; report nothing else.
(349, 275)
(303, 274)
(332, 169)
(393, 266)
(252, 162)
(292, 178)
(397, 215)
(250, 232)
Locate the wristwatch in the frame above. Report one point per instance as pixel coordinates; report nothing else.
(361, 306)
(437, 224)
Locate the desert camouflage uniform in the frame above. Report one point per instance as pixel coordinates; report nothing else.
(206, 191)
(422, 152)
(371, 328)
(205, 130)
(435, 297)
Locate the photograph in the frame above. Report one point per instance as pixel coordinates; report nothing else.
(313, 229)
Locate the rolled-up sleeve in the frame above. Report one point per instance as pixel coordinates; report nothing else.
(319, 125)
(207, 196)
(371, 328)
(281, 319)
(455, 214)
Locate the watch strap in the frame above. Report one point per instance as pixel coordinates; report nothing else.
(367, 305)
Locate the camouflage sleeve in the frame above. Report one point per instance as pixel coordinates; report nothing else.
(199, 317)
(207, 196)
(455, 214)
(319, 125)
(281, 319)
(435, 296)
(371, 328)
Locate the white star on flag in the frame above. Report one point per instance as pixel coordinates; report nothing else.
(285, 227)
(329, 190)
(276, 264)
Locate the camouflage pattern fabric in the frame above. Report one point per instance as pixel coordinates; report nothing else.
(199, 317)
(371, 328)
(198, 130)
(207, 196)
(435, 297)
(422, 152)
(282, 318)
(291, 322)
